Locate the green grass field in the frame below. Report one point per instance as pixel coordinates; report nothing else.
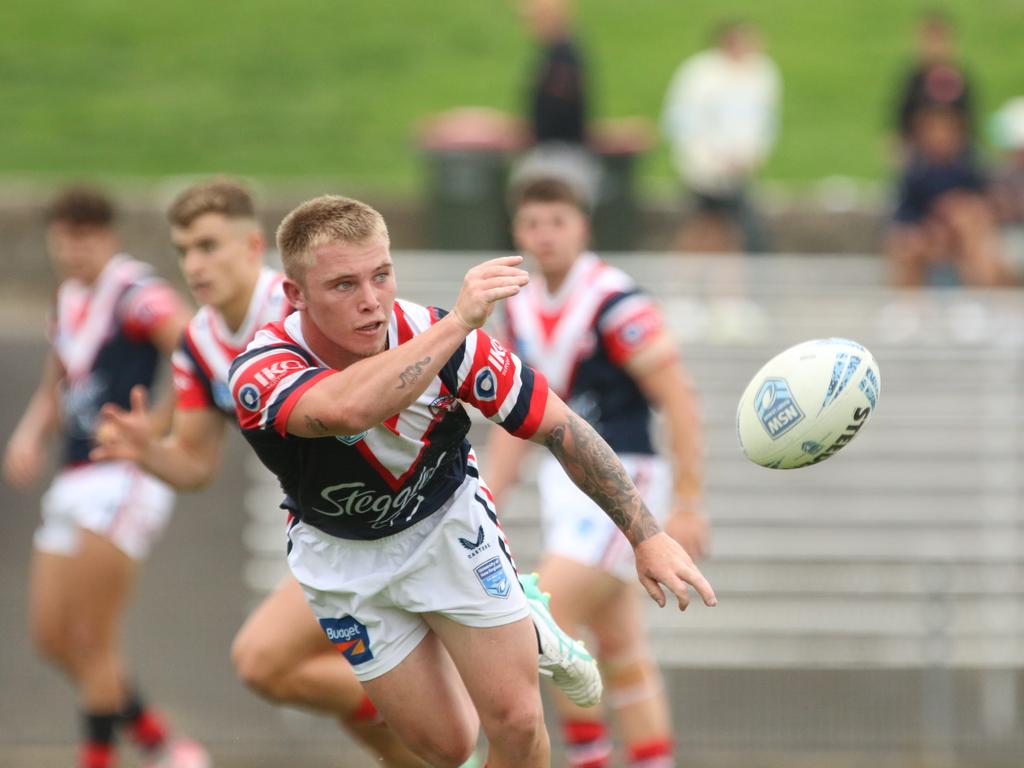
(331, 89)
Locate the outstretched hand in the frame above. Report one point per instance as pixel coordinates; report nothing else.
(124, 434)
(484, 285)
(660, 560)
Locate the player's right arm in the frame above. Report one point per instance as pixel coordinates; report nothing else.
(369, 391)
(187, 458)
(25, 455)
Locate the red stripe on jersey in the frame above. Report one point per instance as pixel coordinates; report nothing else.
(392, 423)
(281, 420)
(538, 403)
(396, 483)
(189, 392)
(404, 329)
(483, 346)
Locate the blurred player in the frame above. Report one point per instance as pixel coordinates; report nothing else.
(112, 322)
(601, 344)
(355, 403)
(280, 652)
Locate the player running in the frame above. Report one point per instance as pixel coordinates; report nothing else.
(601, 344)
(355, 403)
(280, 651)
(112, 321)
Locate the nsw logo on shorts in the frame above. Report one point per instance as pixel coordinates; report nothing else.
(493, 578)
(350, 637)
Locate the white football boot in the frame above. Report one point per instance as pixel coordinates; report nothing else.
(562, 658)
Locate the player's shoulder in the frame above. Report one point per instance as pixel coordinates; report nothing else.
(412, 318)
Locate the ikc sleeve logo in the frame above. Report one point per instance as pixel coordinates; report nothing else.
(776, 408)
(350, 637)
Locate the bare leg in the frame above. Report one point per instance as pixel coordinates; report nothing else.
(104, 578)
(282, 653)
(499, 668)
(427, 706)
(585, 596)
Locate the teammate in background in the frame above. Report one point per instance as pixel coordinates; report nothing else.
(355, 403)
(602, 346)
(280, 651)
(112, 322)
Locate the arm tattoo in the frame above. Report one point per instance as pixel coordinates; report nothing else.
(316, 425)
(595, 468)
(412, 372)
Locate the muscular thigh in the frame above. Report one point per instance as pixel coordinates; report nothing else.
(283, 627)
(104, 577)
(423, 699)
(50, 599)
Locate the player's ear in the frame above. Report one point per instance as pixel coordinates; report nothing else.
(257, 243)
(294, 293)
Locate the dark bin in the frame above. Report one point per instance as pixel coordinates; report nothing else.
(467, 154)
(618, 145)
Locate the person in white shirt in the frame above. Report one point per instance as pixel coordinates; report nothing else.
(720, 116)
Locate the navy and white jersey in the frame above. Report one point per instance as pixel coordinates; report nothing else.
(580, 338)
(102, 336)
(395, 474)
(202, 362)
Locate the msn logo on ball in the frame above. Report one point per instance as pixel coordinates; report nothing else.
(777, 410)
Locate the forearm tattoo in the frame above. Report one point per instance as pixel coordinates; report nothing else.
(316, 425)
(594, 467)
(412, 372)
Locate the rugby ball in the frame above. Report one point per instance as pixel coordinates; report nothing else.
(807, 403)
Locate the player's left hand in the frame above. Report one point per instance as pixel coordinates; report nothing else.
(688, 524)
(660, 560)
(122, 434)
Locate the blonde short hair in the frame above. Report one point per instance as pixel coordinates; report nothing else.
(222, 195)
(325, 219)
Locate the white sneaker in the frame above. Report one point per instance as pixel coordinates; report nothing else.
(562, 658)
(179, 752)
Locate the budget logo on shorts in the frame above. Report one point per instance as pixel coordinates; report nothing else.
(776, 408)
(493, 578)
(485, 386)
(350, 637)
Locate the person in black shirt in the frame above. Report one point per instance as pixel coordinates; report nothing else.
(935, 79)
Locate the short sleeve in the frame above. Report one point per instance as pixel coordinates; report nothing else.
(146, 307)
(488, 376)
(626, 323)
(191, 384)
(267, 382)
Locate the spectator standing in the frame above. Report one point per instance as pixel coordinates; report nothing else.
(720, 116)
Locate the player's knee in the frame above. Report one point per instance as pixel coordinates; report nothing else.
(254, 667)
(515, 722)
(48, 642)
(451, 750)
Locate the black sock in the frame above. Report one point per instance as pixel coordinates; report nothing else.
(99, 728)
(133, 707)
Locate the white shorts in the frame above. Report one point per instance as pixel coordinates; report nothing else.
(113, 499)
(577, 529)
(368, 595)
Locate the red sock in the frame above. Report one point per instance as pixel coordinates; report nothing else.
(365, 713)
(96, 755)
(587, 744)
(656, 753)
(148, 730)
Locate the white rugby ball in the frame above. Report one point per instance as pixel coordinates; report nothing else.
(807, 403)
